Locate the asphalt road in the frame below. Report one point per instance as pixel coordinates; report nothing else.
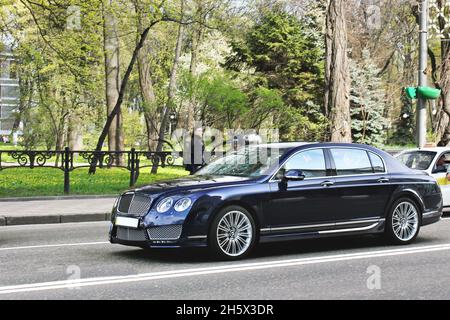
(75, 261)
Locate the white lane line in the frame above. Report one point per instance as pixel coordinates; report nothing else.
(53, 225)
(55, 245)
(215, 270)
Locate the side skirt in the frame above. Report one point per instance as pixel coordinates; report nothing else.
(372, 227)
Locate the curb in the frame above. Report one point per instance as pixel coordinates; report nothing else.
(53, 219)
(18, 199)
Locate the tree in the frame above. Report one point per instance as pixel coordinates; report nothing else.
(337, 80)
(284, 56)
(112, 75)
(404, 125)
(264, 103)
(160, 17)
(225, 101)
(367, 102)
(165, 112)
(58, 68)
(146, 82)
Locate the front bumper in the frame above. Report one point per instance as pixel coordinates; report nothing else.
(155, 237)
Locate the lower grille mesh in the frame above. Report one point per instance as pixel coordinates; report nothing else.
(130, 234)
(171, 232)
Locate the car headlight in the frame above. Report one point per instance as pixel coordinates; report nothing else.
(182, 204)
(164, 205)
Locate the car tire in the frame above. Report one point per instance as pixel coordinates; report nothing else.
(232, 234)
(403, 222)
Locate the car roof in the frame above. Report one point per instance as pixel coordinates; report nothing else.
(292, 145)
(288, 147)
(282, 145)
(434, 149)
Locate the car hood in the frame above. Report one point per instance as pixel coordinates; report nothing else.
(191, 184)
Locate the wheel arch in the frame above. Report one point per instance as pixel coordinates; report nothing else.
(242, 204)
(410, 194)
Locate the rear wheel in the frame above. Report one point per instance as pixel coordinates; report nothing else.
(403, 221)
(232, 233)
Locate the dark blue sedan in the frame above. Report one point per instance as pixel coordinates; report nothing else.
(280, 192)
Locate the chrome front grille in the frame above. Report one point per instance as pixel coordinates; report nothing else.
(134, 204)
(171, 232)
(130, 234)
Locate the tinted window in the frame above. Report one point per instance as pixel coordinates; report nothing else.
(420, 160)
(311, 162)
(377, 163)
(245, 162)
(351, 161)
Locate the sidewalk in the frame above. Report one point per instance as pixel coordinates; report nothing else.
(55, 211)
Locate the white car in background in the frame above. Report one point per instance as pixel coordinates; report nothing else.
(426, 159)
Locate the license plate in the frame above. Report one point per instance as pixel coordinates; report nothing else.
(127, 222)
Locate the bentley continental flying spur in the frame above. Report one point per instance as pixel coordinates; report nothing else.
(277, 192)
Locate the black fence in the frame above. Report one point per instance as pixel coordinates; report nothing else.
(132, 160)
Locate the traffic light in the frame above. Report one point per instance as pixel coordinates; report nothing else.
(411, 93)
(427, 93)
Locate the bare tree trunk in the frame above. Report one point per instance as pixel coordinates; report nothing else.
(112, 77)
(337, 79)
(25, 102)
(171, 90)
(197, 38)
(152, 125)
(442, 125)
(74, 133)
(149, 100)
(60, 128)
(120, 139)
(443, 128)
(150, 109)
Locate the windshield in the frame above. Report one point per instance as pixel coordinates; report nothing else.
(419, 160)
(251, 162)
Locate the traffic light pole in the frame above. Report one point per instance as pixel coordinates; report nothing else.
(421, 117)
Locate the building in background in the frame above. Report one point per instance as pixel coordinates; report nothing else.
(9, 91)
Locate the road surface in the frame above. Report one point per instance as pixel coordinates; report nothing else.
(75, 261)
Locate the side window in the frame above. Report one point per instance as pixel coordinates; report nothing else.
(377, 163)
(442, 163)
(351, 161)
(311, 162)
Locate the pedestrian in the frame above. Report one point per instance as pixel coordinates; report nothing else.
(194, 149)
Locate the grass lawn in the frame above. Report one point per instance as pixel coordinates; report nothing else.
(25, 182)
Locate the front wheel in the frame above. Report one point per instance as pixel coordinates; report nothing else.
(403, 222)
(232, 233)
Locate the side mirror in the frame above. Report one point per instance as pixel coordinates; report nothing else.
(294, 175)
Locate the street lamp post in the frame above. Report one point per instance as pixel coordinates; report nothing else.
(421, 125)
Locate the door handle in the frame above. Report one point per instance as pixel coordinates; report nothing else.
(327, 183)
(383, 180)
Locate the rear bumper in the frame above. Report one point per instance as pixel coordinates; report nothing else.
(431, 217)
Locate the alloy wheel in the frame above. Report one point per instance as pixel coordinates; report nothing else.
(405, 221)
(234, 233)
